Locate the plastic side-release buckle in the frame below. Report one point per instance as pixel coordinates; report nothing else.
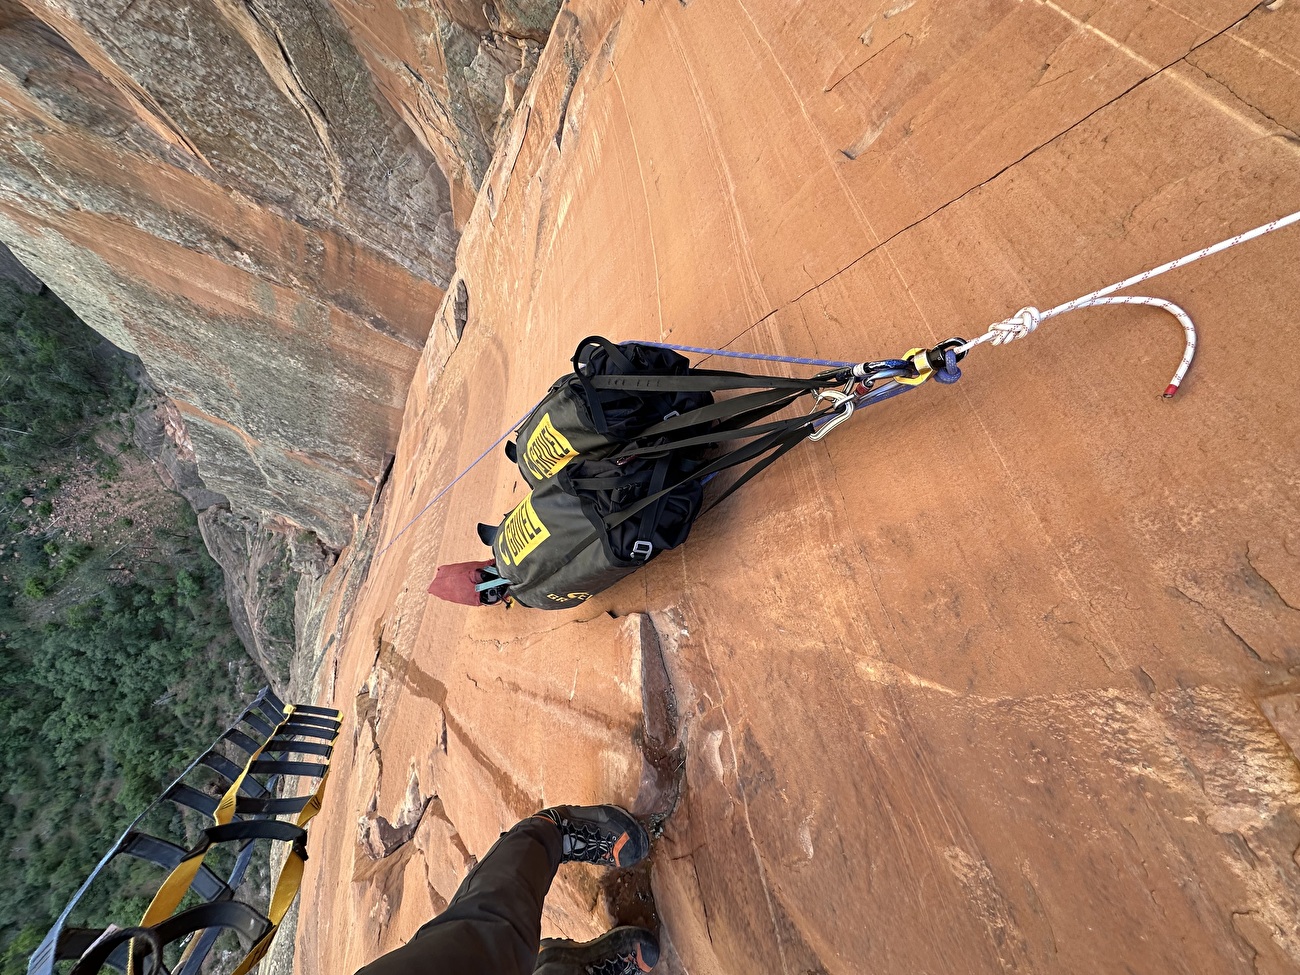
(921, 363)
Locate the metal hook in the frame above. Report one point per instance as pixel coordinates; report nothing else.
(844, 402)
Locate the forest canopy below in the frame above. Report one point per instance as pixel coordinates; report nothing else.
(118, 662)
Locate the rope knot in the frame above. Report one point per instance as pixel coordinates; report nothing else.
(1019, 325)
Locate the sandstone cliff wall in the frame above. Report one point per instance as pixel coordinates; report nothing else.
(999, 676)
(244, 196)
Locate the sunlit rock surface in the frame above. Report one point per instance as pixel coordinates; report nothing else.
(998, 677)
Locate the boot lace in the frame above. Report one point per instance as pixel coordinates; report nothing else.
(586, 843)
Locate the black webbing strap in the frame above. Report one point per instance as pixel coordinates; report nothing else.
(283, 744)
(241, 740)
(719, 436)
(166, 854)
(297, 720)
(781, 440)
(260, 724)
(615, 354)
(710, 381)
(311, 711)
(762, 403)
(247, 805)
(648, 524)
(247, 923)
(272, 766)
(781, 449)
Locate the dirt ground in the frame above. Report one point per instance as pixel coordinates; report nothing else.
(1001, 676)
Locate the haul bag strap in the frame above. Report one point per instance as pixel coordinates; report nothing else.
(728, 409)
(740, 455)
(708, 381)
(611, 349)
(643, 547)
(757, 468)
(718, 436)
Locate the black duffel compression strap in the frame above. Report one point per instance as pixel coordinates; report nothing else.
(709, 381)
(720, 436)
(791, 432)
(616, 355)
(728, 412)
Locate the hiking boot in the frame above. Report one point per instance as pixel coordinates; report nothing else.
(623, 951)
(607, 835)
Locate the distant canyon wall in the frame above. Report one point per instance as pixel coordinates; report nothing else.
(262, 200)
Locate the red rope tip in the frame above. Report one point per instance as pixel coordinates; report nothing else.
(1170, 390)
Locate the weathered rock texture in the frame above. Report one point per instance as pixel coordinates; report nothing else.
(1001, 676)
(225, 189)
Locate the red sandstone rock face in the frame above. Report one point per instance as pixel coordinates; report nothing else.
(1000, 676)
(224, 189)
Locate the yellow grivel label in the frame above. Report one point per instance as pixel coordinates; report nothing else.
(547, 450)
(522, 532)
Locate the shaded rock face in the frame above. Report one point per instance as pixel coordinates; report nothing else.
(226, 190)
(1003, 676)
(262, 561)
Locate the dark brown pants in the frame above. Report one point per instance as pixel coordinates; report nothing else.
(494, 922)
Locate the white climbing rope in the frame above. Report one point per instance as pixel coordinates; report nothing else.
(1026, 320)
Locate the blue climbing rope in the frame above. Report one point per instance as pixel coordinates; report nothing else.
(793, 360)
(890, 389)
(437, 497)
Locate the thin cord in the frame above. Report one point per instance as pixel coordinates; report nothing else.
(457, 478)
(793, 360)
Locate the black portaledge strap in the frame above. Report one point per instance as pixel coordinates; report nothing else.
(241, 740)
(246, 805)
(310, 731)
(297, 720)
(247, 923)
(271, 766)
(282, 744)
(263, 727)
(75, 942)
(311, 711)
(187, 795)
(166, 854)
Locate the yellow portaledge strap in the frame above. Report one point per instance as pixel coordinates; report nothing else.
(286, 886)
(923, 368)
(178, 882)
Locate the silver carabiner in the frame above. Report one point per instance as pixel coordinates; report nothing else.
(844, 402)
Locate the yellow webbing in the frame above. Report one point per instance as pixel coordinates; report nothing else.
(287, 885)
(177, 884)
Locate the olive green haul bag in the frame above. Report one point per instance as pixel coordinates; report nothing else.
(576, 419)
(555, 548)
